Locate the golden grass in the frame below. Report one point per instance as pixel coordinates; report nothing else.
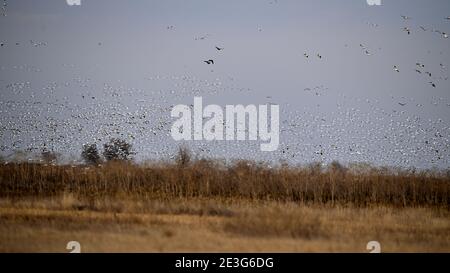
(250, 226)
(243, 180)
(209, 207)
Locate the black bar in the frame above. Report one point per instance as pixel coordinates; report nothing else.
(223, 262)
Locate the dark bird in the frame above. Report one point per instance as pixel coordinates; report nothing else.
(306, 55)
(402, 104)
(319, 56)
(209, 61)
(428, 73)
(432, 84)
(219, 48)
(396, 69)
(418, 71)
(405, 17)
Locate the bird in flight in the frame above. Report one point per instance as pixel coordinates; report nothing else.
(418, 71)
(432, 84)
(404, 17)
(420, 65)
(402, 104)
(219, 48)
(396, 69)
(319, 56)
(306, 55)
(209, 61)
(407, 30)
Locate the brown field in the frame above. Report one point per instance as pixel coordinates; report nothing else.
(206, 206)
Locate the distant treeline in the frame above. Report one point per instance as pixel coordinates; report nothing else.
(186, 178)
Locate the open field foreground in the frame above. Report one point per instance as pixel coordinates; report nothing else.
(202, 207)
(193, 226)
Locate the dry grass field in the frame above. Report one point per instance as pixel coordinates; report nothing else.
(205, 206)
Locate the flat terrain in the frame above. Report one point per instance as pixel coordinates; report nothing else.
(204, 206)
(219, 226)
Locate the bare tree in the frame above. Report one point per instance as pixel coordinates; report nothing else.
(184, 157)
(337, 167)
(117, 149)
(90, 154)
(49, 156)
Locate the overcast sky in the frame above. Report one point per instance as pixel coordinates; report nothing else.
(114, 68)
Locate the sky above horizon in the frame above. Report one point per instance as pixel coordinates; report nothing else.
(71, 75)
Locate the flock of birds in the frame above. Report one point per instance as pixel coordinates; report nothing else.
(408, 29)
(64, 115)
(31, 42)
(4, 8)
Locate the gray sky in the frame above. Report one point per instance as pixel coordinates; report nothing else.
(138, 58)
